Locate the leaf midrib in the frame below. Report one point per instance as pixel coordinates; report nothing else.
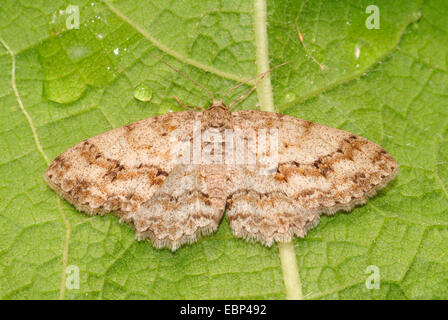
(288, 260)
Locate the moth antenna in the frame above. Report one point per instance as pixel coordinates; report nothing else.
(321, 66)
(261, 75)
(246, 94)
(183, 74)
(238, 85)
(188, 107)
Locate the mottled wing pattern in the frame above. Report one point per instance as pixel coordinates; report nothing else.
(130, 171)
(189, 204)
(120, 169)
(320, 170)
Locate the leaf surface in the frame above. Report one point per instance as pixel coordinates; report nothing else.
(60, 86)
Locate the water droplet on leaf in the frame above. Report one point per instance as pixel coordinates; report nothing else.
(77, 52)
(143, 93)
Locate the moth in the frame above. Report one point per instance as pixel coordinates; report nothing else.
(172, 189)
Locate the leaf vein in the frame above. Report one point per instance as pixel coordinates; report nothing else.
(47, 160)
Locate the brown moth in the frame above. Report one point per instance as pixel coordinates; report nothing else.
(133, 172)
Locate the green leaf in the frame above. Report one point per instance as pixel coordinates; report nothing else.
(60, 86)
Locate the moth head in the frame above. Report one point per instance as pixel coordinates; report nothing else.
(217, 115)
(218, 104)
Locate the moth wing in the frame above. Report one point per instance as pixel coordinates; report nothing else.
(120, 169)
(182, 210)
(320, 170)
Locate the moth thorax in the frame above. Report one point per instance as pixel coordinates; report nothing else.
(217, 116)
